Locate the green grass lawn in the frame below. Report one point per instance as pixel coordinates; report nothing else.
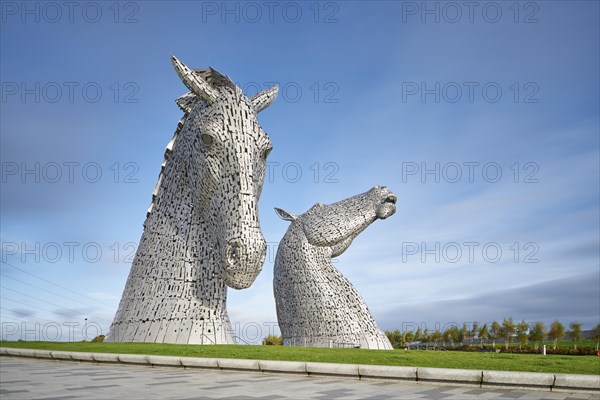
(421, 358)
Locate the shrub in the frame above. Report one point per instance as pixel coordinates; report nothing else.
(580, 351)
(99, 338)
(272, 340)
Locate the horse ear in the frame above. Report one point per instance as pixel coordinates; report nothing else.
(265, 98)
(285, 215)
(187, 102)
(194, 81)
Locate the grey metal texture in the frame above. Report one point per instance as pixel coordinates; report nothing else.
(202, 232)
(316, 305)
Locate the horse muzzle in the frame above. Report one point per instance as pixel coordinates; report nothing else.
(243, 261)
(387, 202)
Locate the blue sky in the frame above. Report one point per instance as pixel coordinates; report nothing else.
(484, 122)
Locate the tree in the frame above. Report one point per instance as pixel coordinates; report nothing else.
(454, 334)
(426, 337)
(596, 335)
(575, 333)
(395, 338)
(508, 330)
(418, 335)
(483, 334)
(436, 336)
(464, 333)
(409, 337)
(451, 335)
(474, 331)
(447, 336)
(522, 330)
(495, 332)
(537, 334)
(557, 331)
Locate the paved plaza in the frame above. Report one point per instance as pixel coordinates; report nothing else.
(24, 378)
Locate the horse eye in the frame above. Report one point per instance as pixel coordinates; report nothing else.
(206, 139)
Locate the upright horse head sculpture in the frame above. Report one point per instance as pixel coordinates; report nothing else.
(202, 232)
(316, 305)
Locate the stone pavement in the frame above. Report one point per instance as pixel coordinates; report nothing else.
(25, 378)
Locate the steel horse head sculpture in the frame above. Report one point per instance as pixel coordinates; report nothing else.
(201, 232)
(316, 305)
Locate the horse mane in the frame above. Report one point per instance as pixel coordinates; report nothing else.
(186, 103)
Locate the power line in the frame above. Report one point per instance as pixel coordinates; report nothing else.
(44, 301)
(37, 319)
(26, 329)
(48, 291)
(18, 302)
(21, 303)
(35, 298)
(56, 284)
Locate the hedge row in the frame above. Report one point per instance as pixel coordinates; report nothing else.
(580, 351)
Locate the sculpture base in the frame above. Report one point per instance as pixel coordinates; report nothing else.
(375, 343)
(175, 331)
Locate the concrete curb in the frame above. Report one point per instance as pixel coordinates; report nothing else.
(387, 372)
(450, 376)
(236, 364)
(290, 367)
(164, 361)
(569, 382)
(79, 356)
(332, 369)
(106, 357)
(572, 383)
(518, 380)
(197, 362)
(134, 359)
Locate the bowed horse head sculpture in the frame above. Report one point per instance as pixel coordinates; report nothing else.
(226, 166)
(316, 305)
(202, 231)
